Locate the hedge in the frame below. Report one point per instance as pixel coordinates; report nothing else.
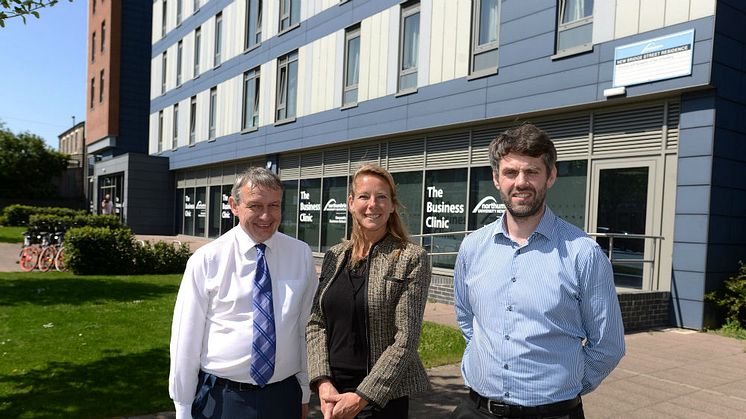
(18, 215)
(52, 222)
(104, 251)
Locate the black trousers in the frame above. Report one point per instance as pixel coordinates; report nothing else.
(280, 400)
(348, 380)
(467, 409)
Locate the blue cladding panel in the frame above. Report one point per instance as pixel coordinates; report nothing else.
(692, 200)
(688, 285)
(689, 256)
(688, 313)
(695, 171)
(696, 141)
(691, 228)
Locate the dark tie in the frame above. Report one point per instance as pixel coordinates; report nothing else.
(264, 339)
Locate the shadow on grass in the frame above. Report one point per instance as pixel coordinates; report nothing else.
(112, 386)
(44, 291)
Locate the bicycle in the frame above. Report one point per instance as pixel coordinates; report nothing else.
(29, 255)
(52, 254)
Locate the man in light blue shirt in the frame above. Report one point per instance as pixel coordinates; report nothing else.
(535, 297)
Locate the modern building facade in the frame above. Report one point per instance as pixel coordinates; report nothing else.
(117, 117)
(642, 97)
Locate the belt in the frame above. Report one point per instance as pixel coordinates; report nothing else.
(500, 409)
(235, 385)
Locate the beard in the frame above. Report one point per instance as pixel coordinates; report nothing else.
(528, 209)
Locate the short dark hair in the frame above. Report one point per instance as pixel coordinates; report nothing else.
(526, 139)
(256, 176)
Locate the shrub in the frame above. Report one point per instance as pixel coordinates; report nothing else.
(161, 258)
(18, 215)
(732, 298)
(53, 222)
(99, 250)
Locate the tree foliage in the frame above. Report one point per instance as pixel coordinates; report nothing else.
(27, 166)
(23, 8)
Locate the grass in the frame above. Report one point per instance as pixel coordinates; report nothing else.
(11, 234)
(440, 345)
(97, 346)
(84, 347)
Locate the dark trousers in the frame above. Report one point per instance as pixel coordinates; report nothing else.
(281, 400)
(468, 409)
(347, 381)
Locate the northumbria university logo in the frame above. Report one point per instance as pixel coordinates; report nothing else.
(488, 205)
(332, 205)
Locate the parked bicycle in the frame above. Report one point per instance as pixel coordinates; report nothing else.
(52, 254)
(29, 256)
(43, 251)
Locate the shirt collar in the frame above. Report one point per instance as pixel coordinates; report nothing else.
(246, 243)
(545, 226)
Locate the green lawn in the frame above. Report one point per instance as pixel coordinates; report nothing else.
(11, 234)
(97, 346)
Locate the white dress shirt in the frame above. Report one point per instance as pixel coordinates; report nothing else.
(213, 318)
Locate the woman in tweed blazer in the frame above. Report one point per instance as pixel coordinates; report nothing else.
(362, 346)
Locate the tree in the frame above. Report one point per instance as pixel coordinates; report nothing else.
(22, 8)
(27, 166)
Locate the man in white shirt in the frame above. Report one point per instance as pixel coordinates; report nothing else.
(216, 349)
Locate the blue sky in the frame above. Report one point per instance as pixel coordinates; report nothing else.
(43, 70)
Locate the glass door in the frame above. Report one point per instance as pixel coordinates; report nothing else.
(622, 204)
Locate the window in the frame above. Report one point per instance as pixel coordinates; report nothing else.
(101, 86)
(250, 116)
(178, 11)
(352, 65)
(160, 131)
(253, 23)
(574, 26)
(93, 47)
(409, 29)
(103, 35)
(179, 56)
(287, 83)
(197, 42)
(164, 67)
(485, 24)
(94, 6)
(93, 90)
(218, 39)
(175, 128)
(213, 111)
(164, 16)
(192, 120)
(195, 5)
(289, 14)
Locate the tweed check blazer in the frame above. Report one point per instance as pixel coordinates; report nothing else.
(398, 282)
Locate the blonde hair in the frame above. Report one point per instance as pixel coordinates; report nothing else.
(394, 226)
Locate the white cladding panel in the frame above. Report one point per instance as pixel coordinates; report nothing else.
(203, 115)
(627, 17)
(449, 39)
(155, 77)
(155, 33)
(638, 16)
(374, 38)
(269, 80)
(652, 14)
(302, 82)
(423, 56)
(153, 130)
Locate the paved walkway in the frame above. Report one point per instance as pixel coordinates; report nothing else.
(670, 373)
